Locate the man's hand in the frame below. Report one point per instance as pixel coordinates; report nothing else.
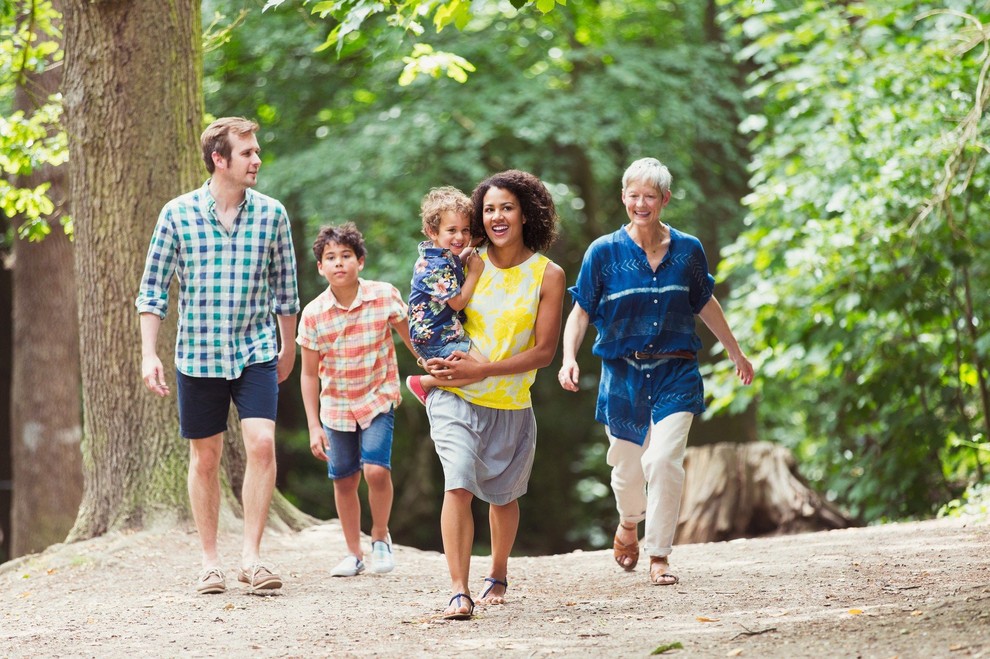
(286, 360)
(154, 375)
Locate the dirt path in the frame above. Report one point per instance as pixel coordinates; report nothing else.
(900, 590)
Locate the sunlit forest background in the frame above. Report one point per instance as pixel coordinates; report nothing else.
(832, 158)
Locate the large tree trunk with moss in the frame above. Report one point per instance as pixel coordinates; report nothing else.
(45, 412)
(134, 113)
(747, 490)
(133, 96)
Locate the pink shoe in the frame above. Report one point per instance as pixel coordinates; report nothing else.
(413, 385)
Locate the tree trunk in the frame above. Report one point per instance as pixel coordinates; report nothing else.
(134, 113)
(45, 412)
(6, 365)
(747, 490)
(133, 96)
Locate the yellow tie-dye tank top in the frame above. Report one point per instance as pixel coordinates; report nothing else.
(501, 321)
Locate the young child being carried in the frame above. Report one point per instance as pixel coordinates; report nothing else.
(440, 286)
(350, 388)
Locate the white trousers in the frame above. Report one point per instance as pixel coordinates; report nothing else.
(648, 480)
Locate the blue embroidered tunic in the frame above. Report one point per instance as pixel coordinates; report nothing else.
(437, 277)
(635, 308)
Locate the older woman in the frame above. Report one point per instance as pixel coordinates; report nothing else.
(485, 433)
(641, 287)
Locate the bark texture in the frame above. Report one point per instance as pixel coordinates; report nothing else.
(748, 490)
(134, 112)
(46, 418)
(133, 95)
(45, 411)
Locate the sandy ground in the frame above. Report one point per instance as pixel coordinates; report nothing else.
(900, 590)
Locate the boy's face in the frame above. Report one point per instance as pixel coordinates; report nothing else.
(340, 266)
(454, 232)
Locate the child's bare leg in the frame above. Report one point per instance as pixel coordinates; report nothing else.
(345, 496)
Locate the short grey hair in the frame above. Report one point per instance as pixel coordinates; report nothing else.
(648, 170)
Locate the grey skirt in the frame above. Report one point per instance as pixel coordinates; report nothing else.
(486, 451)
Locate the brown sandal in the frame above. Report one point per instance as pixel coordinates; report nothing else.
(658, 572)
(623, 552)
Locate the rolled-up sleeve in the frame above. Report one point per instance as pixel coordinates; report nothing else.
(159, 268)
(588, 288)
(703, 283)
(282, 273)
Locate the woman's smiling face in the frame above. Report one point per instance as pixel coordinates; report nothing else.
(502, 216)
(643, 202)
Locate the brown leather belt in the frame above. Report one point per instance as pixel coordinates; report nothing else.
(677, 354)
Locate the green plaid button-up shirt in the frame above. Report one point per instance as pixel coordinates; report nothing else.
(230, 283)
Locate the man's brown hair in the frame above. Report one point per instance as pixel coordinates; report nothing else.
(216, 137)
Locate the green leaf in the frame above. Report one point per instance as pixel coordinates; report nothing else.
(661, 649)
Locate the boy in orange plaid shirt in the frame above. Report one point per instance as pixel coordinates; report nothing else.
(350, 388)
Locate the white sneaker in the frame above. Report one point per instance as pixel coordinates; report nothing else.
(381, 556)
(351, 566)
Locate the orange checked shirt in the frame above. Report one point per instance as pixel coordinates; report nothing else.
(359, 374)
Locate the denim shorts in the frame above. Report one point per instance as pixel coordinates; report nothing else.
(352, 448)
(443, 349)
(204, 403)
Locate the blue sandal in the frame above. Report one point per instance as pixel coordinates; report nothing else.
(492, 582)
(460, 615)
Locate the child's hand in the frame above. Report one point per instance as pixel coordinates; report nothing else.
(318, 444)
(473, 263)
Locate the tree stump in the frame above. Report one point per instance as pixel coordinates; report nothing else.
(748, 490)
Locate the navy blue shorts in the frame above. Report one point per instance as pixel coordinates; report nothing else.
(204, 403)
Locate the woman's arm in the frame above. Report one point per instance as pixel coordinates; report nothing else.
(546, 335)
(574, 331)
(714, 318)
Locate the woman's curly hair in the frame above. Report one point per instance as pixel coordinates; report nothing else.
(536, 202)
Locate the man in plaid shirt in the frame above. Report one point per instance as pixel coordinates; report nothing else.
(231, 249)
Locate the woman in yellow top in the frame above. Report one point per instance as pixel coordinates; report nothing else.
(485, 433)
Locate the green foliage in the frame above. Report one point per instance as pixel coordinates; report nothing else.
(424, 59)
(975, 501)
(354, 20)
(863, 282)
(28, 140)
